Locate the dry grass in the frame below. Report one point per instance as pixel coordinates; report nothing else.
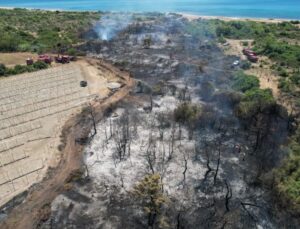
(12, 59)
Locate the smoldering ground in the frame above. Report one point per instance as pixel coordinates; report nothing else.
(213, 173)
(111, 24)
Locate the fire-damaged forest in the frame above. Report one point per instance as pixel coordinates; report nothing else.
(188, 148)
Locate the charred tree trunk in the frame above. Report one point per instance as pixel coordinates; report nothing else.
(110, 128)
(185, 167)
(178, 225)
(228, 196)
(87, 170)
(248, 212)
(171, 143)
(150, 154)
(209, 169)
(150, 163)
(91, 111)
(257, 142)
(151, 103)
(218, 165)
(151, 219)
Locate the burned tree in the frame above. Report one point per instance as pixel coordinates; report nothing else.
(91, 112)
(209, 169)
(147, 42)
(122, 136)
(172, 141)
(151, 153)
(163, 124)
(228, 195)
(185, 166)
(188, 114)
(219, 144)
(183, 94)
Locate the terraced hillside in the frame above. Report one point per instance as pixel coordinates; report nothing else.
(34, 107)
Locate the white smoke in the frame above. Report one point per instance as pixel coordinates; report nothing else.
(111, 24)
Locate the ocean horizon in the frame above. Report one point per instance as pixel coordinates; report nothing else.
(277, 9)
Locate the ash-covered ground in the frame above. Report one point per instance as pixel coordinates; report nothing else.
(215, 173)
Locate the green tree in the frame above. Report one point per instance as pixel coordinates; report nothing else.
(255, 101)
(149, 192)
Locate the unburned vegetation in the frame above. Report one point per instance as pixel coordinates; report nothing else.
(40, 31)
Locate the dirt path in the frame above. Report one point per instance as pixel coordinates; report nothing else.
(32, 210)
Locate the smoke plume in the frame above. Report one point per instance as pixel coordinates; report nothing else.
(111, 24)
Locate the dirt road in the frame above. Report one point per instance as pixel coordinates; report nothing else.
(34, 208)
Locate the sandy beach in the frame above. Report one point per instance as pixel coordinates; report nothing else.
(266, 20)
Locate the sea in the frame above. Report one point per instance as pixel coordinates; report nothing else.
(282, 9)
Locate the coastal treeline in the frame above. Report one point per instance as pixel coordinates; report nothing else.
(279, 42)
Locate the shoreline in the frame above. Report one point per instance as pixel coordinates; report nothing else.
(224, 18)
(189, 16)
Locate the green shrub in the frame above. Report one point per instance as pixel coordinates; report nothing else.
(245, 64)
(8, 43)
(19, 69)
(206, 91)
(72, 52)
(245, 43)
(295, 22)
(283, 73)
(295, 78)
(254, 101)
(221, 40)
(2, 69)
(243, 82)
(285, 85)
(40, 65)
(186, 113)
(159, 88)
